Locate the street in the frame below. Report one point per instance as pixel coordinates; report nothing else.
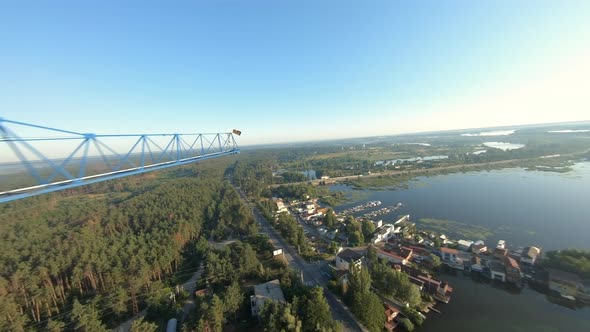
(312, 273)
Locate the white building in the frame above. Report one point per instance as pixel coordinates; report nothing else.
(281, 207)
(270, 291)
(378, 223)
(383, 233)
(530, 255)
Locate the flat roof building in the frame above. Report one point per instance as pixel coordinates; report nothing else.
(270, 291)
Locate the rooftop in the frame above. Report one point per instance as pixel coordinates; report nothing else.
(349, 255)
(401, 253)
(270, 290)
(390, 309)
(479, 247)
(465, 243)
(449, 250)
(531, 252)
(511, 262)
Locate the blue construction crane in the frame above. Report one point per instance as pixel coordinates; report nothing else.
(92, 158)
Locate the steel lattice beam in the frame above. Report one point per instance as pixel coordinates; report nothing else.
(144, 155)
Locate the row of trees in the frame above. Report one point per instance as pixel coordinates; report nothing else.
(306, 309)
(292, 232)
(253, 176)
(396, 285)
(571, 260)
(225, 269)
(366, 305)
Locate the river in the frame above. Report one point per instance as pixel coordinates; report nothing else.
(546, 209)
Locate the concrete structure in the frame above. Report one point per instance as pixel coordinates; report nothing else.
(530, 255)
(400, 255)
(565, 283)
(391, 313)
(476, 264)
(449, 254)
(500, 253)
(497, 271)
(464, 245)
(479, 248)
(383, 234)
(402, 219)
(270, 291)
(281, 207)
(513, 273)
(347, 257)
(439, 289)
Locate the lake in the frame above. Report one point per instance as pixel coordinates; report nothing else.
(546, 209)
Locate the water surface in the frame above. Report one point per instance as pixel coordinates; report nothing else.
(550, 210)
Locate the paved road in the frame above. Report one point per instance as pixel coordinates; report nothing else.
(190, 287)
(126, 326)
(312, 273)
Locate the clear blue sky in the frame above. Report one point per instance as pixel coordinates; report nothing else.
(293, 70)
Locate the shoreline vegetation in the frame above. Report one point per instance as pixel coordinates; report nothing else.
(398, 179)
(455, 228)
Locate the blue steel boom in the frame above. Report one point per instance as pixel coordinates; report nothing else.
(144, 155)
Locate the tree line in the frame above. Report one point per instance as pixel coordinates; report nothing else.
(85, 253)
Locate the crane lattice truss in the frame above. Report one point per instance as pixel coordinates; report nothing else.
(92, 158)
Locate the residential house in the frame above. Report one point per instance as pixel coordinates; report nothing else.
(347, 257)
(476, 264)
(383, 234)
(479, 247)
(497, 271)
(398, 255)
(417, 282)
(513, 273)
(419, 252)
(391, 313)
(270, 291)
(440, 290)
(566, 283)
(281, 207)
(464, 245)
(500, 253)
(448, 254)
(530, 255)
